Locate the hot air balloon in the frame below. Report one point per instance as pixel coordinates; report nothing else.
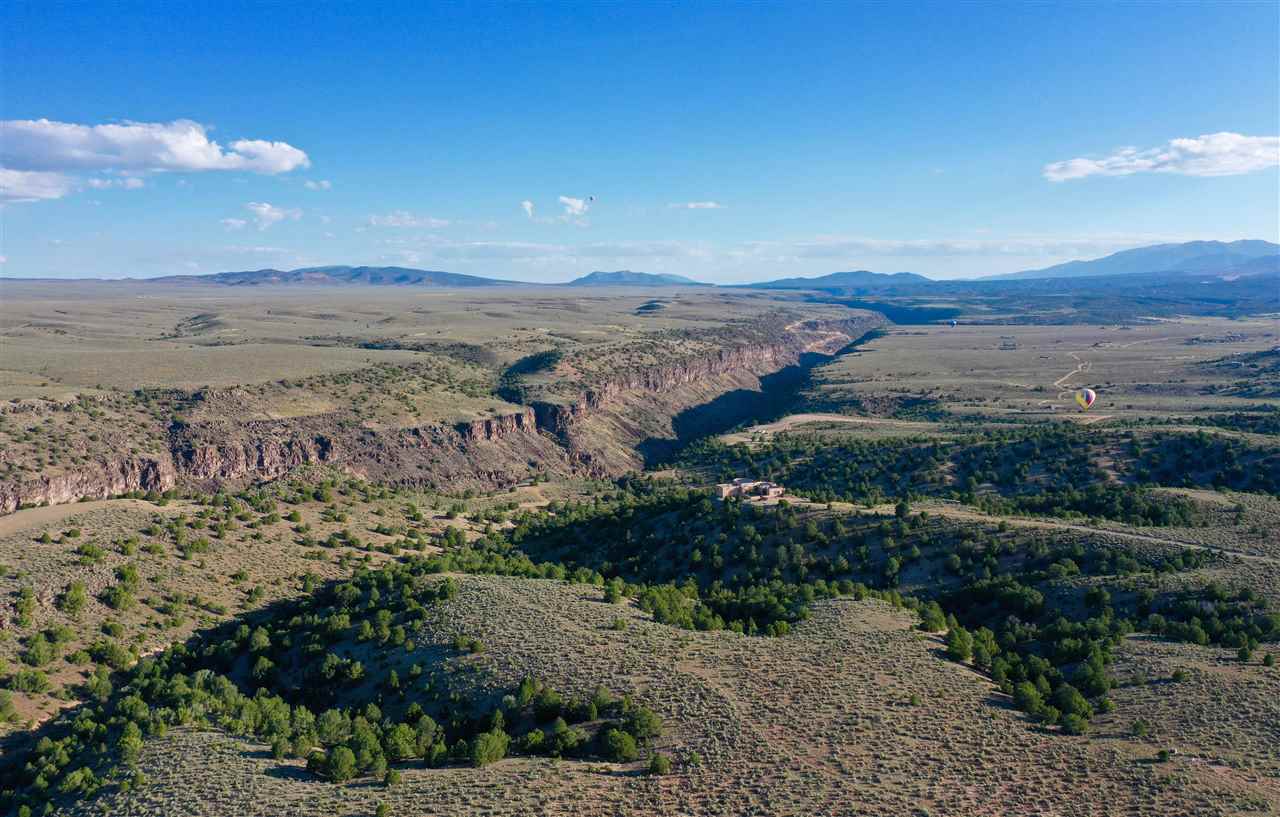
(1085, 398)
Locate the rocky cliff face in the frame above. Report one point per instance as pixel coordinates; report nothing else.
(260, 451)
(99, 480)
(817, 337)
(598, 433)
(496, 428)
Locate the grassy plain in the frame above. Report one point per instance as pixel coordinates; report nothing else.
(1139, 370)
(65, 338)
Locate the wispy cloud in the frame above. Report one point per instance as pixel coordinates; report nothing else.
(402, 218)
(527, 206)
(576, 207)
(528, 250)
(266, 215)
(1213, 154)
(318, 184)
(696, 205)
(233, 223)
(33, 185)
(128, 183)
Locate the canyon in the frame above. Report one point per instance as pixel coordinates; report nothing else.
(603, 431)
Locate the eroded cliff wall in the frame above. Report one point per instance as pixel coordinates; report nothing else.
(606, 430)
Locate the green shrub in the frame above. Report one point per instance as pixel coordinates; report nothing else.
(659, 764)
(619, 746)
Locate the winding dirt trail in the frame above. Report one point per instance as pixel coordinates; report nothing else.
(36, 517)
(1082, 366)
(968, 515)
(793, 420)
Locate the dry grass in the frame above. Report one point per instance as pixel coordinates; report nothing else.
(1139, 371)
(177, 595)
(819, 722)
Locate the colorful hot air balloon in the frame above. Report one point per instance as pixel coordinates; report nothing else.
(1085, 398)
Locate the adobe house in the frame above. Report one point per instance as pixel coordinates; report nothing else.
(748, 488)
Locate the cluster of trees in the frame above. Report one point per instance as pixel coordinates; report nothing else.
(824, 468)
(1132, 506)
(1205, 460)
(293, 677)
(1016, 606)
(1264, 421)
(699, 564)
(1049, 469)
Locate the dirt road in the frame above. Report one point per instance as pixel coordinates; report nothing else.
(793, 420)
(37, 517)
(969, 515)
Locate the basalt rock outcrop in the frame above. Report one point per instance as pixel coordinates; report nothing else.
(496, 428)
(260, 450)
(96, 480)
(602, 431)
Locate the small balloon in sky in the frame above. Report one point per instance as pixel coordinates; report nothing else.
(1085, 398)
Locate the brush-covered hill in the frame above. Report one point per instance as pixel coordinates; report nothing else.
(508, 675)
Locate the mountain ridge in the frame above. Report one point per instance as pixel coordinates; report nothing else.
(628, 277)
(1190, 256)
(338, 275)
(853, 278)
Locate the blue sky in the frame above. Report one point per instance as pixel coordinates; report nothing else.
(730, 142)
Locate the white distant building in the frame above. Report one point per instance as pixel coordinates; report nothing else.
(748, 488)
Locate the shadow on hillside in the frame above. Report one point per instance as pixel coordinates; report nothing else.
(284, 771)
(778, 395)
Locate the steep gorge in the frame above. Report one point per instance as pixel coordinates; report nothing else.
(606, 430)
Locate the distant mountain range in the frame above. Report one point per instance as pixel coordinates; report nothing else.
(1193, 256)
(1143, 267)
(627, 278)
(405, 276)
(337, 276)
(858, 279)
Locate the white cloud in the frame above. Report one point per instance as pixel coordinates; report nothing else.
(268, 214)
(321, 184)
(233, 223)
(696, 205)
(1213, 154)
(445, 249)
(402, 218)
(128, 183)
(180, 145)
(527, 206)
(33, 185)
(575, 207)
